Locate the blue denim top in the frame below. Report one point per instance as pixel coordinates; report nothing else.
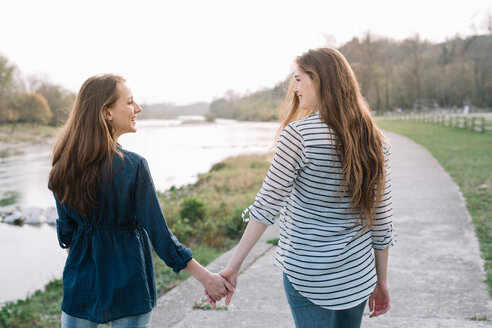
(109, 272)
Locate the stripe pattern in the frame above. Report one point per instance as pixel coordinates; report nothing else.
(321, 248)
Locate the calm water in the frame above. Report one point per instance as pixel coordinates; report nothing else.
(176, 150)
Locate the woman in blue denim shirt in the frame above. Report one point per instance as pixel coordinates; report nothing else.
(108, 210)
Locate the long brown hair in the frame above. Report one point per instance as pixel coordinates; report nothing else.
(86, 141)
(342, 108)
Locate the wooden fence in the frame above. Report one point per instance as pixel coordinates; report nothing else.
(474, 122)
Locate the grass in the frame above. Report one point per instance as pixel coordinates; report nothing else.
(224, 193)
(42, 308)
(467, 157)
(218, 199)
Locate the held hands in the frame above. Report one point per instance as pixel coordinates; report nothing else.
(230, 277)
(253, 232)
(216, 287)
(379, 301)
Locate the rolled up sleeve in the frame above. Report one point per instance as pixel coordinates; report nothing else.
(65, 226)
(382, 231)
(148, 212)
(290, 157)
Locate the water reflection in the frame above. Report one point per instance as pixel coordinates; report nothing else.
(30, 257)
(24, 174)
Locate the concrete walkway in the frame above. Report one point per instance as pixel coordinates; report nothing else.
(435, 274)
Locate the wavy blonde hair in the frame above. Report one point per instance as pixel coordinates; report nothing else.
(342, 108)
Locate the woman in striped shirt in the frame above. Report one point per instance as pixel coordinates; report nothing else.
(329, 184)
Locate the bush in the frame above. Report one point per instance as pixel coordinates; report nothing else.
(192, 209)
(233, 226)
(218, 166)
(183, 230)
(208, 233)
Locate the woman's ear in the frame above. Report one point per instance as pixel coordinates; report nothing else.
(107, 115)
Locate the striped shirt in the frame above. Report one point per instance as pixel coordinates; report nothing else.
(321, 248)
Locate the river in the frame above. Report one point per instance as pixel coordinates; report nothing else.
(177, 151)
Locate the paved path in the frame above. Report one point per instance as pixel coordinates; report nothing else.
(435, 273)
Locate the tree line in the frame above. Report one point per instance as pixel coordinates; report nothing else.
(408, 74)
(33, 100)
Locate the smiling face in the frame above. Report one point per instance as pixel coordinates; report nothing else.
(122, 115)
(305, 91)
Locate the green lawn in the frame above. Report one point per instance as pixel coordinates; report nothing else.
(467, 157)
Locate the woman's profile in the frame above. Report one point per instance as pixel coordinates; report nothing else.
(109, 215)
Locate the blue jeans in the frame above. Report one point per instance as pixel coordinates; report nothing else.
(137, 321)
(309, 315)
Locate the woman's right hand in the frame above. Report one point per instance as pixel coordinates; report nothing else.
(218, 287)
(231, 276)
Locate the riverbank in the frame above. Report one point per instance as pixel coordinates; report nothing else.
(466, 156)
(205, 216)
(27, 133)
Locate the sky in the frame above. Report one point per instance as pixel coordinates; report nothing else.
(183, 51)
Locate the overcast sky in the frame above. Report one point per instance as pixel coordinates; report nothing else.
(188, 51)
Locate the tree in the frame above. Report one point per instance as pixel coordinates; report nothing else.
(59, 100)
(32, 108)
(8, 114)
(7, 88)
(414, 47)
(7, 82)
(221, 108)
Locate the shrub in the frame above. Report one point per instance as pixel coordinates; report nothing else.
(218, 166)
(233, 226)
(183, 230)
(192, 209)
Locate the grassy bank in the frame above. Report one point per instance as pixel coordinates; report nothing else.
(467, 157)
(13, 133)
(205, 216)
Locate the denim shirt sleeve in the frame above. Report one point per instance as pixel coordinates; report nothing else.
(149, 214)
(65, 226)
